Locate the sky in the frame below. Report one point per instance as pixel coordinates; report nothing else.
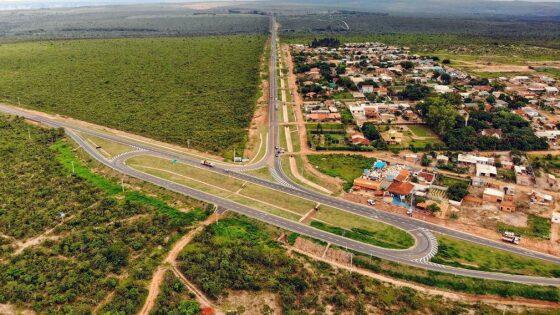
(37, 4)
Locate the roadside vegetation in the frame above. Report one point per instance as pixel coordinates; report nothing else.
(537, 227)
(86, 239)
(456, 283)
(468, 255)
(240, 255)
(199, 92)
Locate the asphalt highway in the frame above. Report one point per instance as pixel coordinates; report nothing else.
(425, 246)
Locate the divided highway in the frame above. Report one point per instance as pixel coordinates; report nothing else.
(419, 255)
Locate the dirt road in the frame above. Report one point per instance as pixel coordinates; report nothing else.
(170, 262)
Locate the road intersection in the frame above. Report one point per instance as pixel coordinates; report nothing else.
(418, 256)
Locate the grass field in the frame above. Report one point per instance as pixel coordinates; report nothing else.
(362, 229)
(200, 90)
(463, 254)
(345, 167)
(421, 131)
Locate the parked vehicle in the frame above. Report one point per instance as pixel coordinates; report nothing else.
(371, 202)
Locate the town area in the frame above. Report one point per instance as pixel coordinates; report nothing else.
(447, 146)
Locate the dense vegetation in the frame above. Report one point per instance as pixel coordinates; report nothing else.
(124, 21)
(472, 256)
(172, 298)
(240, 254)
(102, 240)
(441, 114)
(191, 91)
(364, 26)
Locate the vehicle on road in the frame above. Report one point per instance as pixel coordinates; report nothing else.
(207, 163)
(511, 237)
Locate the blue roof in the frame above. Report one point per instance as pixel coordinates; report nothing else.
(379, 164)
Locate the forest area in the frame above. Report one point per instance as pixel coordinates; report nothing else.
(199, 92)
(72, 240)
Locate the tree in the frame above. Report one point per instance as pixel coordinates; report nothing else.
(407, 64)
(457, 191)
(325, 42)
(433, 208)
(446, 78)
(425, 161)
(370, 131)
(415, 92)
(188, 307)
(441, 117)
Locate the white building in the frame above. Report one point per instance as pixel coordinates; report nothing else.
(486, 170)
(473, 159)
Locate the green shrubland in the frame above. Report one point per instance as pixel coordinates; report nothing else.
(98, 240)
(198, 91)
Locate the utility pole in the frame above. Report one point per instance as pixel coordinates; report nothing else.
(29, 133)
(188, 143)
(122, 184)
(73, 169)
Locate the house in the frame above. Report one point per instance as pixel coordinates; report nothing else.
(321, 117)
(473, 159)
(403, 175)
(366, 184)
(392, 137)
(358, 139)
(366, 89)
(492, 132)
(411, 157)
(477, 182)
(551, 135)
(508, 206)
(426, 177)
(486, 170)
(551, 90)
(442, 159)
(522, 177)
(540, 198)
(493, 195)
(442, 89)
(400, 189)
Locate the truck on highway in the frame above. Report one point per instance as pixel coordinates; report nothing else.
(511, 237)
(207, 163)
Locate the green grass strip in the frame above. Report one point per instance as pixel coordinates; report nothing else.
(179, 218)
(66, 157)
(360, 235)
(70, 162)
